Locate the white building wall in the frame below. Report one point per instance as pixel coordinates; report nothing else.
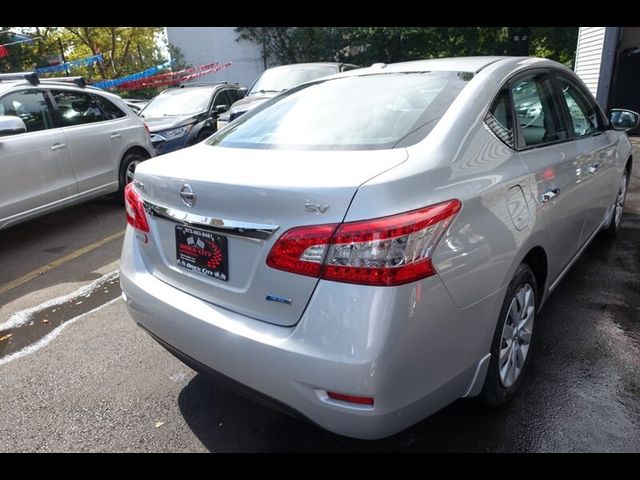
(202, 45)
(589, 56)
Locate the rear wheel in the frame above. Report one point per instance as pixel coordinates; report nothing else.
(618, 206)
(511, 346)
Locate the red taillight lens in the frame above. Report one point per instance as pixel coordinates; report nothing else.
(146, 127)
(385, 251)
(134, 209)
(301, 250)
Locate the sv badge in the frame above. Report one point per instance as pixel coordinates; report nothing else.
(315, 208)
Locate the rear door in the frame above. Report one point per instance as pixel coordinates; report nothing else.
(36, 165)
(547, 150)
(596, 152)
(91, 134)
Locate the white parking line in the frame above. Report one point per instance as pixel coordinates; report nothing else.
(23, 316)
(50, 336)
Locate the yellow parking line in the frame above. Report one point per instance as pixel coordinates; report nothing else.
(56, 263)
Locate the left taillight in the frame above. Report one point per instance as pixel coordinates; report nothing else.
(134, 209)
(385, 251)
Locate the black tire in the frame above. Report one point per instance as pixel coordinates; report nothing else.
(129, 161)
(613, 228)
(494, 392)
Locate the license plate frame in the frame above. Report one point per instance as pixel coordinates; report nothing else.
(202, 251)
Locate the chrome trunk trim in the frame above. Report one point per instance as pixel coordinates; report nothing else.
(259, 231)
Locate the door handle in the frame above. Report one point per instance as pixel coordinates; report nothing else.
(58, 146)
(593, 168)
(548, 195)
(115, 135)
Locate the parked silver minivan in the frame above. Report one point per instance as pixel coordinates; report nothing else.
(62, 143)
(374, 245)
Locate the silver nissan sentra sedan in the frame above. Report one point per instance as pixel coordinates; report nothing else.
(367, 248)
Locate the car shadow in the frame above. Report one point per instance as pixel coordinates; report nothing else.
(226, 422)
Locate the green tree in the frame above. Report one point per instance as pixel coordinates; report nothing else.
(294, 44)
(126, 50)
(367, 45)
(26, 56)
(557, 43)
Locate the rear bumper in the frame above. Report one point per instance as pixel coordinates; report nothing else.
(387, 351)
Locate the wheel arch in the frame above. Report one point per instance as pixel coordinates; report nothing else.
(536, 259)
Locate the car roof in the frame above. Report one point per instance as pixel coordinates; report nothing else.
(7, 85)
(201, 85)
(504, 64)
(310, 65)
(455, 64)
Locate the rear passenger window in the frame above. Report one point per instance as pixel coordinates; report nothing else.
(537, 110)
(109, 110)
(221, 99)
(29, 105)
(77, 108)
(583, 111)
(500, 117)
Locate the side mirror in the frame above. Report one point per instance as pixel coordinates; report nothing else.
(624, 119)
(220, 109)
(243, 91)
(11, 126)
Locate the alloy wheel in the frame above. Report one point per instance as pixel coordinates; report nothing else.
(516, 335)
(131, 169)
(622, 193)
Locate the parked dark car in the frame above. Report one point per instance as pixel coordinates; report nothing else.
(186, 115)
(278, 79)
(135, 104)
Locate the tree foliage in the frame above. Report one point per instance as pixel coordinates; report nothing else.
(126, 50)
(367, 45)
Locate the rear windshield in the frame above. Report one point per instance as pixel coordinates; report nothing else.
(280, 79)
(178, 102)
(364, 112)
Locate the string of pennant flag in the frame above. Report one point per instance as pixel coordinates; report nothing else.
(134, 76)
(4, 51)
(67, 66)
(173, 78)
(149, 78)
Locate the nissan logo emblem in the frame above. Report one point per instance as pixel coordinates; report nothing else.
(187, 195)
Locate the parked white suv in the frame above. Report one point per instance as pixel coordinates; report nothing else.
(61, 143)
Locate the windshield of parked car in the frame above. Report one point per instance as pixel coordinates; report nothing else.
(279, 79)
(178, 102)
(349, 113)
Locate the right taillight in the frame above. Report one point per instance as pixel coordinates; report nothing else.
(385, 251)
(134, 209)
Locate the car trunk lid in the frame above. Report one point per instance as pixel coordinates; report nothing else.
(245, 199)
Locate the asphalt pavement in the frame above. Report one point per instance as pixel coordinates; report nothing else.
(103, 385)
